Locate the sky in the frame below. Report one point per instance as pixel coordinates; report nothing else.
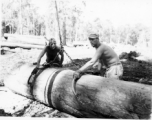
(119, 12)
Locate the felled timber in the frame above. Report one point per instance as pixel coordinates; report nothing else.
(96, 97)
(20, 45)
(27, 39)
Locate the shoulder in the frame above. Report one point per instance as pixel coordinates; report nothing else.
(104, 46)
(58, 47)
(101, 47)
(46, 47)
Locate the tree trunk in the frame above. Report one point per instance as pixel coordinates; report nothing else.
(96, 97)
(20, 19)
(39, 29)
(64, 32)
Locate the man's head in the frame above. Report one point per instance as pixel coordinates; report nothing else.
(94, 40)
(52, 43)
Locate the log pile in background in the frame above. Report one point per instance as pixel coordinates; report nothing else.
(23, 41)
(20, 45)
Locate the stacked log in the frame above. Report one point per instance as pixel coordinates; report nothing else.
(20, 45)
(26, 39)
(97, 97)
(23, 41)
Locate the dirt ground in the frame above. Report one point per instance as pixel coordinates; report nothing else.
(136, 71)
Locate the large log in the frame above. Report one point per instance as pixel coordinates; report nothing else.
(96, 97)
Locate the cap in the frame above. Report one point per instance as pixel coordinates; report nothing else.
(93, 36)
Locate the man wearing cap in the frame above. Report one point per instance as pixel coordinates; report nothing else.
(104, 56)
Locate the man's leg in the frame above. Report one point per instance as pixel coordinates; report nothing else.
(32, 76)
(57, 63)
(101, 69)
(114, 72)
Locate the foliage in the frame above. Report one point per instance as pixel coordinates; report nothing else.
(24, 17)
(129, 56)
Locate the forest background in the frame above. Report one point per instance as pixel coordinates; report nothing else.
(125, 22)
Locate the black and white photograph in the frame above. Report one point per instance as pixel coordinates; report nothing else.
(84, 59)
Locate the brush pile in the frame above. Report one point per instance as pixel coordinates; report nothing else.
(134, 70)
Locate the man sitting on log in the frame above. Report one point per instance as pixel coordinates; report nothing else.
(104, 56)
(53, 59)
(52, 55)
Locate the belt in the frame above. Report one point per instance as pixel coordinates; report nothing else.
(117, 63)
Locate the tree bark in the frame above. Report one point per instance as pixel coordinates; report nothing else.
(96, 97)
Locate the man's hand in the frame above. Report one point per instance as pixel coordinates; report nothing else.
(38, 66)
(35, 70)
(95, 66)
(45, 64)
(60, 65)
(77, 74)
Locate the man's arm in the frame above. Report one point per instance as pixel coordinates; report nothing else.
(94, 59)
(40, 56)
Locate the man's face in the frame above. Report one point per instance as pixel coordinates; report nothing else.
(93, 41)
(52, 44)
